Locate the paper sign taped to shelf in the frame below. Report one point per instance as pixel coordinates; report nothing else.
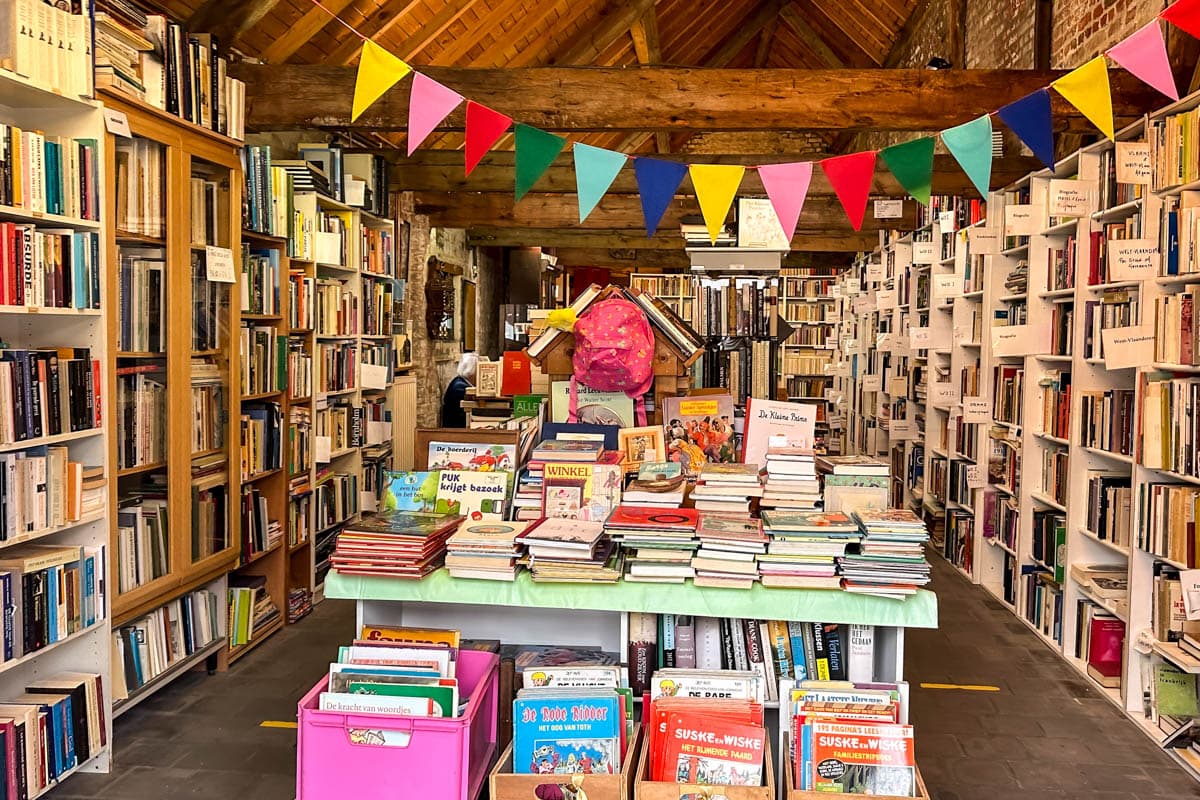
(875, 272)
(863, 305)
(947, 286)
(853, 287)
(835, 290)
(886, 299)
(321, 449)
(882, 339)
(984, 241)
(976, 477)
(943, 394)
(924, 252)
(902, 429)
(1127, 347)
(116, 123)
(919, 338)
(1069, 198)
(218, 264)
(946, 221)
(872, 383)
(898, 386)
(889, 209)
(1020, 340)
(1133, 162)
(976, 409)
(374, 376)
(1132, 259)
(962, 334)
(1023, 220)
(378, 432)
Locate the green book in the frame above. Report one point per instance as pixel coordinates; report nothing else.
(1060, 553)
(1175, 691)
(527, 405)
(446, 697)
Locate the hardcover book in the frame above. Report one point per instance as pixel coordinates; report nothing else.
(475, 495)
(771, 423)
(568, 735)
(472, 457)
(410, 491)
(593, 407)
(581, 491)
(699, 430)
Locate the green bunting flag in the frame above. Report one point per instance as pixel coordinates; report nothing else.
(536, 151)
(912, 164)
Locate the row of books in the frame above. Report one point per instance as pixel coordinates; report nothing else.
(260, 281)
(141, 410)
(48, 392)
(250, 608)
(49, 174)
(143, 550)
(51, 45)
(736, 308)
(337, 309)
(208, 406)
(261, 439)
(50, 592)
(267, 197)
(49, 268)
(264, 362)
(167, 636)
(42, 489)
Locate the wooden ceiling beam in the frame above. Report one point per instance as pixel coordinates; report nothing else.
(621, 239)
(857, 54)
(229, 19)
(377, 24)
(579, 100)
(763, 52)
(905, 35)
(644, 32)
(809, 37)
(729, 49)
(594, 39)
(455, 52)
(300, 34)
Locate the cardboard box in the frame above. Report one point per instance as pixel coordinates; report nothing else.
(504, 785)
(661, 790)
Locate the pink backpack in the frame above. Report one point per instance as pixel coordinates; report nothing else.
(614, 352)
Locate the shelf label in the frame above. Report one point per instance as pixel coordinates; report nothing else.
(1133, 162)
(863, 305)
(886, 299)
(889, 209)
(898, 386)
(947, 286)
(321, 449)
(902, 429)
(944, 394)
(1132, 259)
(1024, 220)
(1127, 347)
(976, 409)
(984, 241)
(374, 376)
(919, 338)
(962, 334)
(1020, 340)
(872, 383)
(976, 477)
(875, 272)
(946, 221)
(853, 287)
(882, 339)
(924, 252)
(1069, 198)
(218, 264)
(116, 123)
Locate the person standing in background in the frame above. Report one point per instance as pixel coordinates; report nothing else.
(453, 415)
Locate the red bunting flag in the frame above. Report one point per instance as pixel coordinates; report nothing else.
(1184, 15)
(484, 129)
(851, 176)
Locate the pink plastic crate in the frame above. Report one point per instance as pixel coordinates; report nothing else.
(381, 757)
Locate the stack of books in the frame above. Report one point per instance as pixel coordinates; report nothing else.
(728, 548)
(396, 671)
(659, 484)
(803, 548)
(727, 488)
(890, 561)
(853, 483)
(571, 551)
(397, 544)
(486, 550)
(791, 483)
(527, 500)
(658, 543)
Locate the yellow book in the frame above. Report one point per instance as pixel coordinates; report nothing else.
(438, 636)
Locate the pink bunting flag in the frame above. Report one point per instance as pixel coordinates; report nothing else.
(429, 102)
(1144, 55)
(851, 176)
(787, 187)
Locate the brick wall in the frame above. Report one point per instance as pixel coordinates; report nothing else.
(1000, 34)
(1084, 28)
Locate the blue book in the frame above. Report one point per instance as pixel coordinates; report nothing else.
(568, 735)
(1172, 243)
(799, 661)
(67, 722)
(806, 735)
(52, 634)
(89, 590)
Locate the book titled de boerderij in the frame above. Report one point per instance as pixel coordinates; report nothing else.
(568, 735)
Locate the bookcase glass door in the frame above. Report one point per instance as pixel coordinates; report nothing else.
(143, 537)
(212, 272)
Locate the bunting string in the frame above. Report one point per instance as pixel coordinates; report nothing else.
(1143, 54)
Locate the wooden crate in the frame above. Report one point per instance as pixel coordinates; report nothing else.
(662, 790)
(799, 794)
(504, 785)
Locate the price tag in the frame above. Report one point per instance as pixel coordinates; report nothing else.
(889, 209)
(984, 241)
(1133, 259)
(1024, 220)
(976, 477)
(919, 338)
(218, 264)
(1070, 198)
(943, 394)
(1127, 347)
(976, 409)
(872, 383)
(116, 123)
(924, 252)
(947, 286)
(1133, 162)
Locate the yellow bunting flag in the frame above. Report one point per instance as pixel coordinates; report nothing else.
(1086, 88)
(378, 71)
(715, 185)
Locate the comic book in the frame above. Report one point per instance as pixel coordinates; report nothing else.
(568, 732)
(871, 758)
(704, 750)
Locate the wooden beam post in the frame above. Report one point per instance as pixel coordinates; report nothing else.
(377, 24)
(1043, 33)
(229, 19)
(300, 34)
(813, 40)
(956, 33)
(592, 41)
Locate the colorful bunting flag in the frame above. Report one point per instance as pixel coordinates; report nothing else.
(971, 146)
(378, 71)
(484, 129)
(850, 176)
(1030, 119)
(716, 185)
(657, 182)
(429, 102)
(1144, 55)
(1086, 88)
(1184, 15)
(536, 151)
(595, 171)
(912, 164)
(787, 187)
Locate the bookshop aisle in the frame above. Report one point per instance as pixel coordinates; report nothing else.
(1042, 733)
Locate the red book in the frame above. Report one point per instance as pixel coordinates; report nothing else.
(701, 749)
(1105, 646)
(516, 375)
(1186, 351)
(669, 519)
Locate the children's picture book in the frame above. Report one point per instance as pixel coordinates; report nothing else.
(659, 470)
(699, 430)
(772, 423)
(562, 532)
(472, 457)
(713, 752)
(445, 698)
(649, 518)
(580, 491)
(572, 677)
(474, 495)
(593, 407)
(410, 491)
(579, 734)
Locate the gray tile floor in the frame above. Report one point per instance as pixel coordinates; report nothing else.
(1045, 734)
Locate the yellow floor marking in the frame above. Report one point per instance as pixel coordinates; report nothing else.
(274, 723)
(961, 687)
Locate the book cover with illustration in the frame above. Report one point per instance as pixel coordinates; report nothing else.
(661, 519)
(659, 471)
(474, 495)
(410, 491)
(472, 457)
(580, 491)
(568, 735)
(773, 423)
(699, 430)
(708, 751)
(593, 407)
(445, 698)
(875, 758)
